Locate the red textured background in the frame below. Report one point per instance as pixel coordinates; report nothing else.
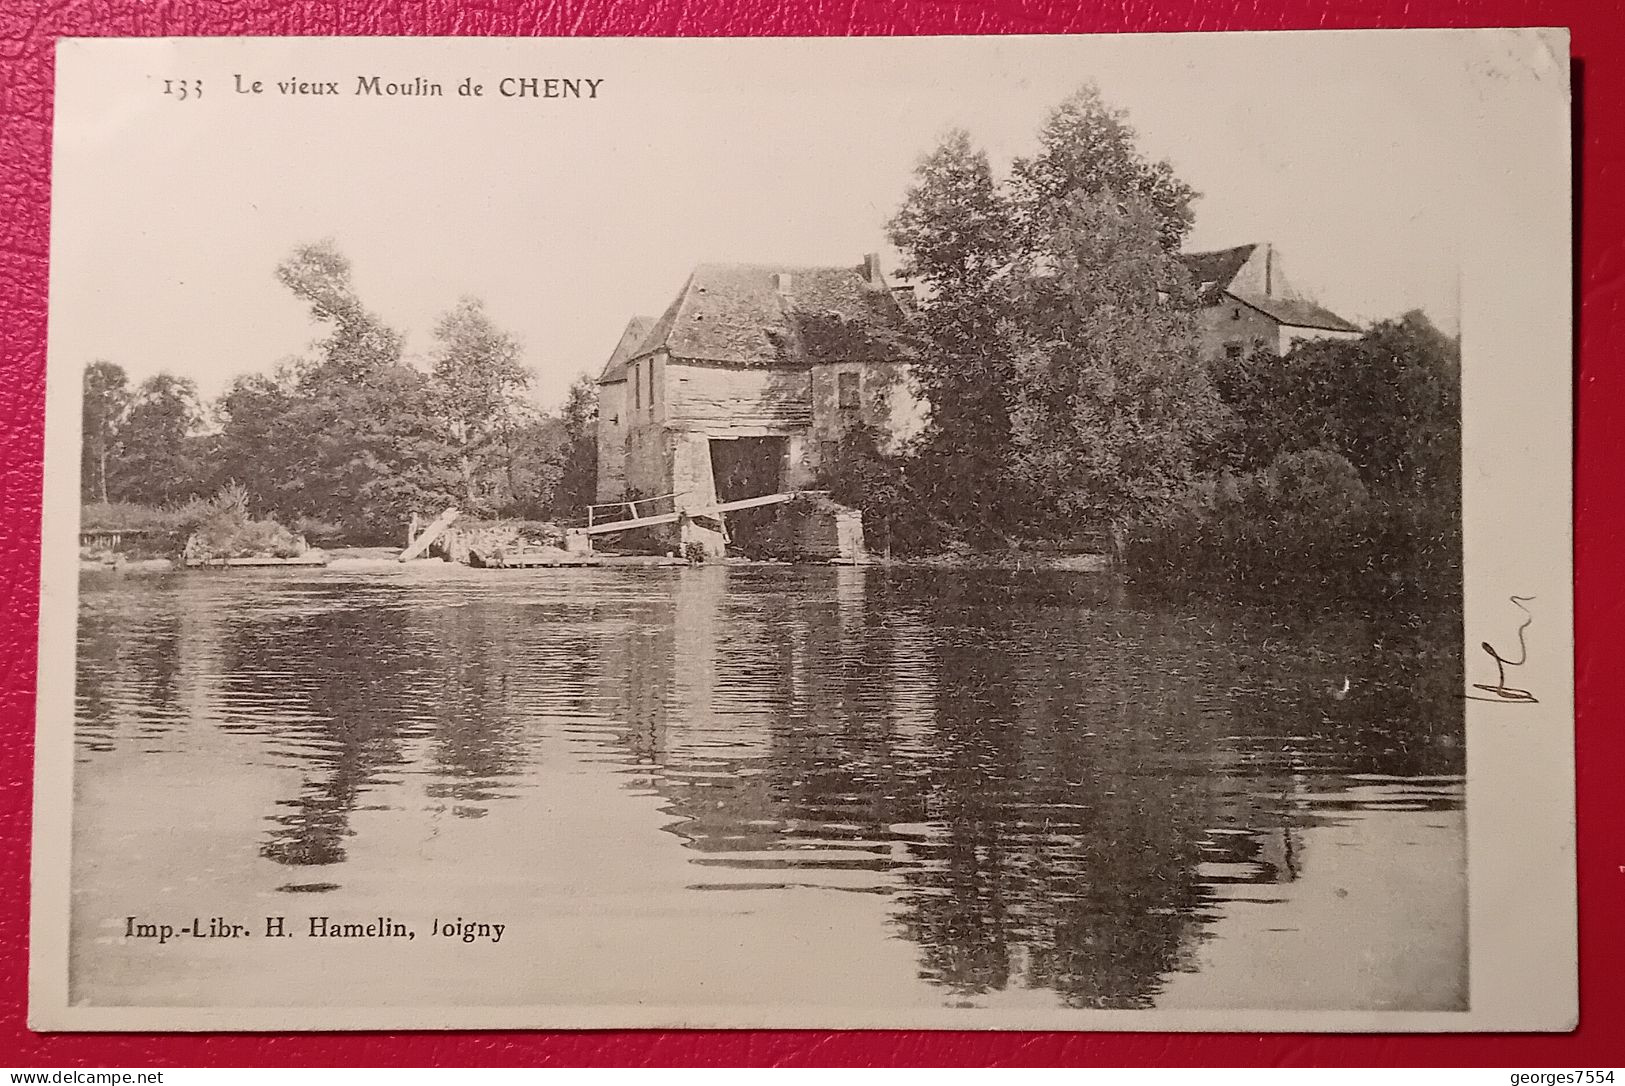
(27, 30)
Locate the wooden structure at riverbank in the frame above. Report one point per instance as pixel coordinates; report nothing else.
(112, 539)
(809, 524)
(499, 544)
(418, 543)
(599, 520)
(812, 526)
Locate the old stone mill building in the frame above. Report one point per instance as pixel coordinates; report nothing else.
(750, 381)
(746, 386)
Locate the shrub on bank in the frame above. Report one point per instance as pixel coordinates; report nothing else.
(210, 529)
(147, 531)
(223, 529)
(129, 516)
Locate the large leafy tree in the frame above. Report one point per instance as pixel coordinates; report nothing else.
(954, 226)
(1398, 418)
(478, 383)
(1344, 472)
(1113, 412)
(388, 446)
(1087, 146)
(260, 445)
(357, 342)
(160, 450)
(349, 437)
(106, 400)
(1388, 401)
(955, 229)
(1058, 361)
(535, 452)
(578, 478)
(349, 434)
(366, 454)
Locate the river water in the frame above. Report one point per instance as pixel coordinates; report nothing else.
(758, 786)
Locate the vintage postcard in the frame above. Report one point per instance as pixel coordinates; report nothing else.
(1030, 533)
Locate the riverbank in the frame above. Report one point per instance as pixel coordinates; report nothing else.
(1006, 560)
(353, 558)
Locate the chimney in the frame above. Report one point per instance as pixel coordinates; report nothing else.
(781, 282)
(871, 269)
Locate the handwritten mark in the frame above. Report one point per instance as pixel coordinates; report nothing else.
(1499, 691)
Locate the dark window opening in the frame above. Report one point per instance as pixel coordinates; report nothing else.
(1232, 351)
(637, 387)
(749, 467)
(1235, 314)
(846, 386)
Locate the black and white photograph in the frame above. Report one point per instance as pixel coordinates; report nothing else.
(1047, 533)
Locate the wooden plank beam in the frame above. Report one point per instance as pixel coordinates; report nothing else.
(743, 503)
(430, 534)
(703, 511)
(628, 525)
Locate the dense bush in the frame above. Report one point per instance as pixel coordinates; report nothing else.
(1343, 475)
(898, 516)
(1306, 521)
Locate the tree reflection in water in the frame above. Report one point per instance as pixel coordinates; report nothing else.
(1052, 781)
(1053, 785)
(369, 687)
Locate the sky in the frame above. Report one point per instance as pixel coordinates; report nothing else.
(1348, 152)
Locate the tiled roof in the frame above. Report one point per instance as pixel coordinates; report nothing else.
(1218, 274)
(1212, 272)
(1298, 312)
(738, 313)
(637, 330)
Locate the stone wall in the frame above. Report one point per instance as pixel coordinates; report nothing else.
(660, 446)
(830, 419)
(1232, 323)
(611, 441)
(737, 398)
(646, 401)
(815, 528)
(691, 474)
(908, 412)
(886, 401)
(648, 461)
